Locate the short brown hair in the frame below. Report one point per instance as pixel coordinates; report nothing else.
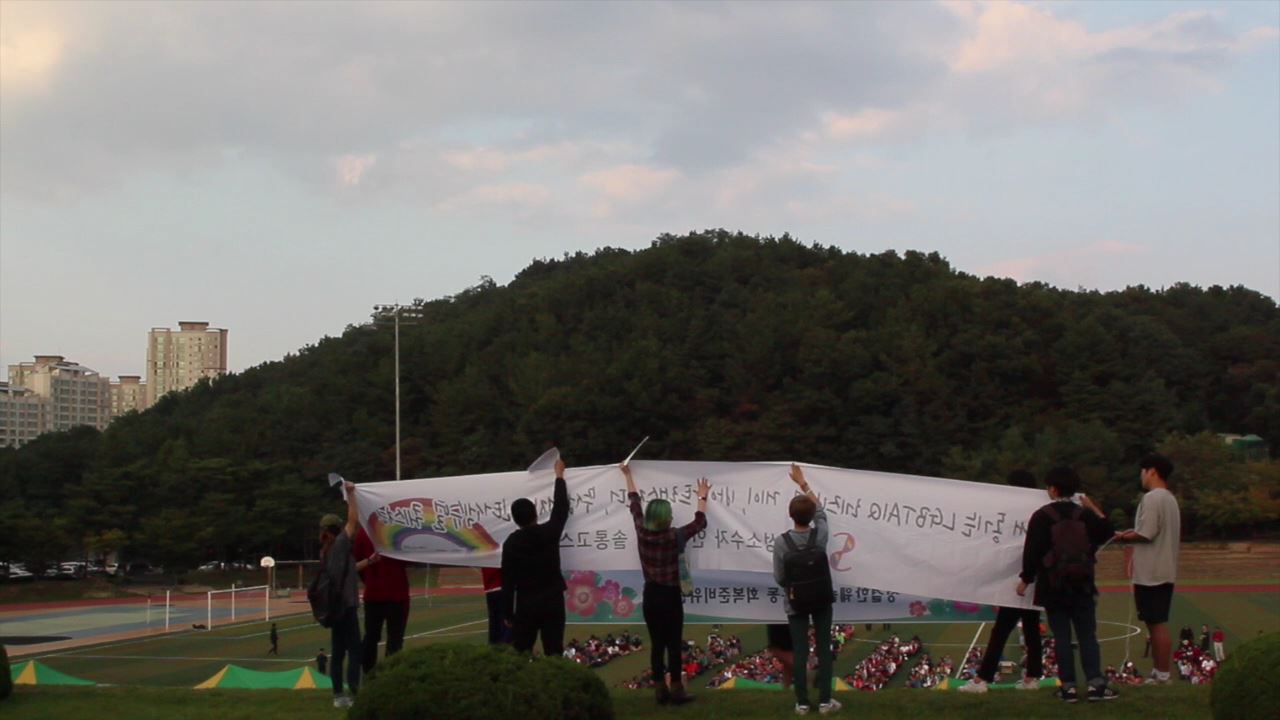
(801, 509)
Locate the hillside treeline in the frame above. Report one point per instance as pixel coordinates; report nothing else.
(716, 345)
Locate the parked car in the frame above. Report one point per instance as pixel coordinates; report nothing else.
(17, 573)
(210, 567)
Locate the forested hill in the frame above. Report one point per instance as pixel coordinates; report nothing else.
(718, 346)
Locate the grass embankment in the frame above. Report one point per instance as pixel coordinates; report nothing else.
(1175, 701)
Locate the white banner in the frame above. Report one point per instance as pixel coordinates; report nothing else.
(920, 539)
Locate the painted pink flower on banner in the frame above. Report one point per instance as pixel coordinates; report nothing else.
(610, 591)
(969, 608)
(582, 577)
(918, 608)
(582, 598)
(623, 606)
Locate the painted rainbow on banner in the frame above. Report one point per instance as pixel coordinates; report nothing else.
(392, 525)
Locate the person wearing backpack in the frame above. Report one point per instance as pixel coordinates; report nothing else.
(802, 569)
(1059, 555)
(335, 598)
(660, 547)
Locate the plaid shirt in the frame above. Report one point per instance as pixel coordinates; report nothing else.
(660, 550)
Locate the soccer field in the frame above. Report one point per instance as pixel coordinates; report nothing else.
(187, 658)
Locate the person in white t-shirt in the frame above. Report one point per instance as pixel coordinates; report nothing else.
(1157, 533)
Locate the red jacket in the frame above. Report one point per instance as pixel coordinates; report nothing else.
(384, 581)
(492, 579)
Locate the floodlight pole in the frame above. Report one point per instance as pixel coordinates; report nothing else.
(395, 309)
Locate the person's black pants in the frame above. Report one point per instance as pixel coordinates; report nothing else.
(344, 636)
(499, 633)
(396, 616)
(664, 616)
(1007, 619)
(539, 613)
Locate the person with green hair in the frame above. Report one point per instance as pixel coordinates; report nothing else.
(660, 547)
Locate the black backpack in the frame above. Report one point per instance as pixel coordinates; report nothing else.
(1069, 562)
(807, 574)
(325, 595)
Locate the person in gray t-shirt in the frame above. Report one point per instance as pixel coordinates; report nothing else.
(1157, 533)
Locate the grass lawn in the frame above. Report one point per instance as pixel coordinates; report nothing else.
(154, 676)
(188, 658)
(32, 703)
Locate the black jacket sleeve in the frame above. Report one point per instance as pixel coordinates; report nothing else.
(1035, 546)
(1100, 528)
(559, 509)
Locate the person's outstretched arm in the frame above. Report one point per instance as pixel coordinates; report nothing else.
(700, 517)
(353, 512)
(560, 502)
(633, 497)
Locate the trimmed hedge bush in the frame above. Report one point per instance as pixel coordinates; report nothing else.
(478, 682)
(1243, 687)
(6, 682)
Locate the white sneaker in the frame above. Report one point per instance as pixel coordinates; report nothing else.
(342, 701)
(1157, 678)
(1028, 683)
(975, 685)
(802, 709)
(829, 707)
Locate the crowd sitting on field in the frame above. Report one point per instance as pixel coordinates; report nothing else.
(1194, 664)
(876, 670)
(767, 667)
(1126, 674)
(695, 660)
(927, 673)
(596, 652)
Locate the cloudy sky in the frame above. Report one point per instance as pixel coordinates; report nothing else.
(276, 169)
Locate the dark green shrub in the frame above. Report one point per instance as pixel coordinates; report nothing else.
(6, 682)
(1243, 687)
(476, 682)
(567, 689)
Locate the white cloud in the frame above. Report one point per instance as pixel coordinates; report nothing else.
(867, 123)
(351, 168)
(1063, 266)
(521, 198)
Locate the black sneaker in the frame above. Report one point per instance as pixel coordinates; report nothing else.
(1069, 694)
(1102, 692)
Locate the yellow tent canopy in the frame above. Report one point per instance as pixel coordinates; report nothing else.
(234, 676)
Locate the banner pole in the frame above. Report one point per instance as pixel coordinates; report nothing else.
(166, 610)
(209, 600)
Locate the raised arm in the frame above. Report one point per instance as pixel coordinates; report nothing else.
(633, 496)
(353, 512)
(700, 517)
(797, 477)
(560, 502)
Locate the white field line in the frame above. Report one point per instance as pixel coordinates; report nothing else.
(966, 652)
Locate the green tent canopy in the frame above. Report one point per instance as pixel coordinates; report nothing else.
(738, 683)
(234, 676)
(35, 673)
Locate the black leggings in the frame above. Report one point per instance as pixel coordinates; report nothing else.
(664, 616)
(1007, 619)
